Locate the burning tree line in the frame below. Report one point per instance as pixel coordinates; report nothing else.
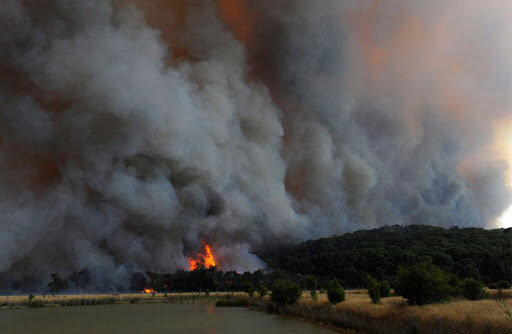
(199, 279)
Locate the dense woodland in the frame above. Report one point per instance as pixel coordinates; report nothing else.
(485, 255)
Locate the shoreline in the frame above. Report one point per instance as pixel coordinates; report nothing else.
(68, 300)
(393, 315)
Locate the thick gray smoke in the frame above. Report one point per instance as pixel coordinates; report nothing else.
(117, 156)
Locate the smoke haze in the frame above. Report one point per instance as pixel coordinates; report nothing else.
(133, 130)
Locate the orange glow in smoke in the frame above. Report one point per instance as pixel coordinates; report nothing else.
(205, 258)
(149, 290)
(238, 16)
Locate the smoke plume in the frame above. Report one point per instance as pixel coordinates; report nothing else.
(133, 130)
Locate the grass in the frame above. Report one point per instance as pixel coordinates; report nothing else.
(239, 301)
(393, 315)
(12, 302)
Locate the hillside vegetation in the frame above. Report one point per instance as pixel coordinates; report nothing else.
(485, 255)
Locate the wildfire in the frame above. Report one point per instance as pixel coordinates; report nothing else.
(205, 258)
(149, 290)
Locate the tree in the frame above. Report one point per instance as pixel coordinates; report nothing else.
(503, 285)
(423, 283)
(311, 285)
(57, 284)
(80, 279)
(263, 291)
(335, 292)
(248, 287)
(471, 289)
(384, 289)
(485, 255)
(373, 287)
(285, 292)
(138, 282)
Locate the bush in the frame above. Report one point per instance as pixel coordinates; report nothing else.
(285, 292)
(471, 289)
(31, 296)
(373, 289)
(335, 292)
(423, 283)
(263, 291)
(384, 289)
(248, 287)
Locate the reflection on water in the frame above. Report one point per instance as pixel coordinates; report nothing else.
(149, 318)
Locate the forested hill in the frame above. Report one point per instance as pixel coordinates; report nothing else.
(469, 252)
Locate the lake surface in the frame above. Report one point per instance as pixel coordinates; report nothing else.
(150, 318)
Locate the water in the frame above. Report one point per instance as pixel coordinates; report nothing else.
(150, 318)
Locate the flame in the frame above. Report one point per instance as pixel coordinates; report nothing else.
(205, 258)
(149, 290)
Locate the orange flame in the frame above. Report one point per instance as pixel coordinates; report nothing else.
(206, 258)
(149, 290)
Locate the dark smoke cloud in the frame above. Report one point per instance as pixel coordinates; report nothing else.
(127, 138)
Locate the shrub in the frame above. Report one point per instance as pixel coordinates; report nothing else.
(471, 289)
(31, 296)
(423, 283)
(207, 292)
(384, 289)
(263, 291)
(285, 292)
(373, 289)
(335, 292)
(248, 287)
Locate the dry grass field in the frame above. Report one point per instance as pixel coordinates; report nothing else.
(393, 315)
(23, 301)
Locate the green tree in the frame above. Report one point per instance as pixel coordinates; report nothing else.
(384, 289)
(311, 285)
(471, 289)
(263, 291)
(335, 292)
(248, 287)
(423, 283)
(373, 287)
(285, 292)
(503, 285)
